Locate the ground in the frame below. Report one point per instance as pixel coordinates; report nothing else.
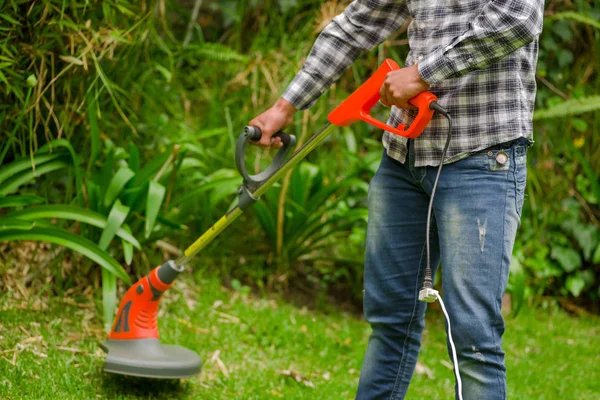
(265, 348)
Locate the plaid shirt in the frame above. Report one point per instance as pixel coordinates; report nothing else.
(479, 56)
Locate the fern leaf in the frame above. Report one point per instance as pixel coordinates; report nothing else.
(216, 52)
(569, 107)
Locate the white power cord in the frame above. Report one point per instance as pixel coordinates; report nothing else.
(429, 296)
(454, 358)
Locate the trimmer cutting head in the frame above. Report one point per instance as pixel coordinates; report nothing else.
(133, 346)
(150, 359)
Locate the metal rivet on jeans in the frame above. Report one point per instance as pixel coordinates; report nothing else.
(501, 158)
(490, 154)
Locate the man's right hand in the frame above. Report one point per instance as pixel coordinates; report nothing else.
(273, 120)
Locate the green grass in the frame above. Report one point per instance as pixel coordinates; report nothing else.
(56, 353)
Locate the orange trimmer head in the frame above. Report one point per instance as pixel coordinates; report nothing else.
(133, 346)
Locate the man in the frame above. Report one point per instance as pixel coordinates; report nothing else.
(479, 58)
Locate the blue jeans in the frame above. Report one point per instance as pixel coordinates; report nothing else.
(477, 211)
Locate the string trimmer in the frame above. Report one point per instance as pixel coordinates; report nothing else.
(133, 346)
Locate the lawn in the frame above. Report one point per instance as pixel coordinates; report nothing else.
(265, 348)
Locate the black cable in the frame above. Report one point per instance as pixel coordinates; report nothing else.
(428, 280)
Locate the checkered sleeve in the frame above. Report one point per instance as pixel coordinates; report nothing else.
(502, 27)
(363, 25)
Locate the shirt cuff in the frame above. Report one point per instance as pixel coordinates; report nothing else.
(303, 91)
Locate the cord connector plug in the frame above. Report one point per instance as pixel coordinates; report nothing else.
(428, 295)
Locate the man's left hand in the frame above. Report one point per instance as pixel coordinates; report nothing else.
(402, 85)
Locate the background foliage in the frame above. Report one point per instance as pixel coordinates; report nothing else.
(118, 121)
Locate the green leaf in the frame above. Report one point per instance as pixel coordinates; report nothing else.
(164, 72)
(587, 239)
(517, 285)
(588, 169)
(588, 277)
(127, 252)
(579, 124)
(116, 217)
(267, 220)
(109, 298)
(102, 177)
(16, 167)
(134, 158)
(72, 213)
(563, 30)
(575, 285)
(568, 258)
(156, 194)
(596, 256)
(575, 16)
(350, 140)
(26, 176)
(94, 196)
(73, 242)
(19, 201)
(565, 57)
(198, 189)
(15, 223)
(117, 184)
(171, 224)
(64, 143)
(569, 107)
(151, 168)
(133, 197)
(586, 235)
(302, 182)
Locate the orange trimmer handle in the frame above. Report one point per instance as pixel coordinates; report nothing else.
(357, 107)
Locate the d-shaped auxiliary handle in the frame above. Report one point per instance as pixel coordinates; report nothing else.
(254, 133)
(358, 105)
